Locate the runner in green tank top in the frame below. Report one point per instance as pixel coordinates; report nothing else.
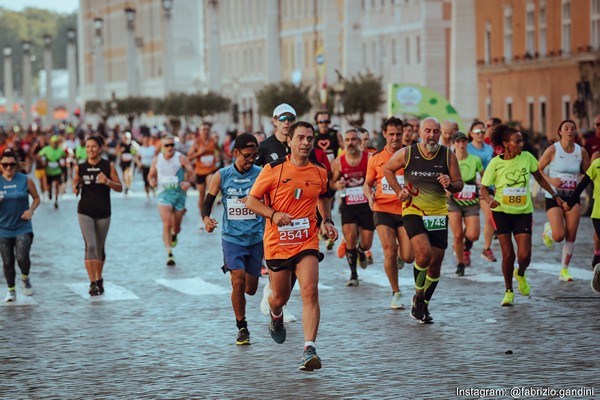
(512, 207)
(429, 171)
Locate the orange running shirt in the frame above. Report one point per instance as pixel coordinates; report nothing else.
(295, 191)
(207, 160)
(384, 199)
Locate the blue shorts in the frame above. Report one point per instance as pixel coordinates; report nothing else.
(174, 198)
(248, 258)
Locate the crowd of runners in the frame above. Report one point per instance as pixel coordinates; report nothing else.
(412, 183)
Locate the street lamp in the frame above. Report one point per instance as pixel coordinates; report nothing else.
(8, 79)
(27, 100)
(99, 62)
(132, 81)
(48, 70)
(168, 47)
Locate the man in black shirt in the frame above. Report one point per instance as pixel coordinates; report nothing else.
(275, 147)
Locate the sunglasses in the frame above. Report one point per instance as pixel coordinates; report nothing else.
(169, 145)
(598, 124)
(286, 118)
(479, 131)
(9, 164)
(324, 121)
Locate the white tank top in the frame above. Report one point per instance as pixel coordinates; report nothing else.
(168, 172)
(565, 166)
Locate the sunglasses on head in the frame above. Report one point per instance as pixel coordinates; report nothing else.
(324, 121)
(478, 131)
(9, 164)
(286, 118)
(169, 145)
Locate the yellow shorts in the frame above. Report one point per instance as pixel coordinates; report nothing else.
(40, 173)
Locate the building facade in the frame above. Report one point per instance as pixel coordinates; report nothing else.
(539, 61)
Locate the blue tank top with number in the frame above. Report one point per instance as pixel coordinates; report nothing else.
(14, 201)
(240, 225)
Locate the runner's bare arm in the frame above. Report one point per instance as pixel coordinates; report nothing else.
(453, 182)
(152, 173)
(210, 223)
(398, 161)
(258, 207)
(189, 173)
(327, 228)
(335, 182)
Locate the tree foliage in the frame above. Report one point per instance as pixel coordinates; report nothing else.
(363, 94)
(32, 24)
(274, 94)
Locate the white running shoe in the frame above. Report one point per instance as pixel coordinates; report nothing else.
(11, 296)
(288, 316)
(397, 301)
(265, 308)
(27, 288)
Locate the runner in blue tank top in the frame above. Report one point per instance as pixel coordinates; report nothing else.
(242, 229)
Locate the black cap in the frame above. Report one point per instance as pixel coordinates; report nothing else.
(245, 141)
(459, 136)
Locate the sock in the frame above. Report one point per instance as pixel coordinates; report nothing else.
(11, 289)
(352, 256)
(430, 284)
(280, 315)
(24, 277)
(468, 245)
(241, 323)
(420, 274)
(310, 343)
(567, 252)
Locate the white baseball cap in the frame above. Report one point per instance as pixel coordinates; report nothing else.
(282, 109)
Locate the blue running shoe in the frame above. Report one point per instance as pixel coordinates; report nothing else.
(310, 360)
(277, 329)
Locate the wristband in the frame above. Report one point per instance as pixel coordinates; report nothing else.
(329, 220)
(272, 215)
(555, 195)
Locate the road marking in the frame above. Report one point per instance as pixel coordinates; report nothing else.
(193, 286)
(112, 292)
(22, 300)
(554, 269)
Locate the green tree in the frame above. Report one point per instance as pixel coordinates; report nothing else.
(274, 94)
(363, 94)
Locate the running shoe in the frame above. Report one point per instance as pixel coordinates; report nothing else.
(277, 329)
(467, 258)
(341, 250)
(94, 289)
(397, 301)
(460, 270)
(352, 282)
(265, 308)
(330, 244)
(243, 337)
(310, 360)
(427, 318)
(417, 311)
(288, 316)
(509, 299)
(545, 237)
(369, 255)
(595, 283)
(170, 260)
(488, 254)
(399, 263)
(11, 296)
(565, 275)
(173, 240)
(362, 258)
(27, 288)
(524, 288)
(100, 283)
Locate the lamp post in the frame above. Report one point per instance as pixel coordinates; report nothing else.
(167, 48)
(71, 67)
(99, 59)
(8, 79)
(27, 100)
(48, 70)
(132, 80)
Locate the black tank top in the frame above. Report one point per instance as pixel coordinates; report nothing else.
(95, 197)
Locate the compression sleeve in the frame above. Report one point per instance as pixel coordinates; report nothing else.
(207, 205)
(578, 190)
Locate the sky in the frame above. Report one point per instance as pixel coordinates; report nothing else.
(62, 6)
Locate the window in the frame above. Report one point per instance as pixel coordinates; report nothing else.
(542, 30)
(543, 115)
(393, 51)
(488, 107)
(407, 50)
(566, 26)
(566, 107)
(509, 109)
(508, 34)
(530, 112)
(487, 41)
(418, 50)
(530, 28)
(595, 18)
